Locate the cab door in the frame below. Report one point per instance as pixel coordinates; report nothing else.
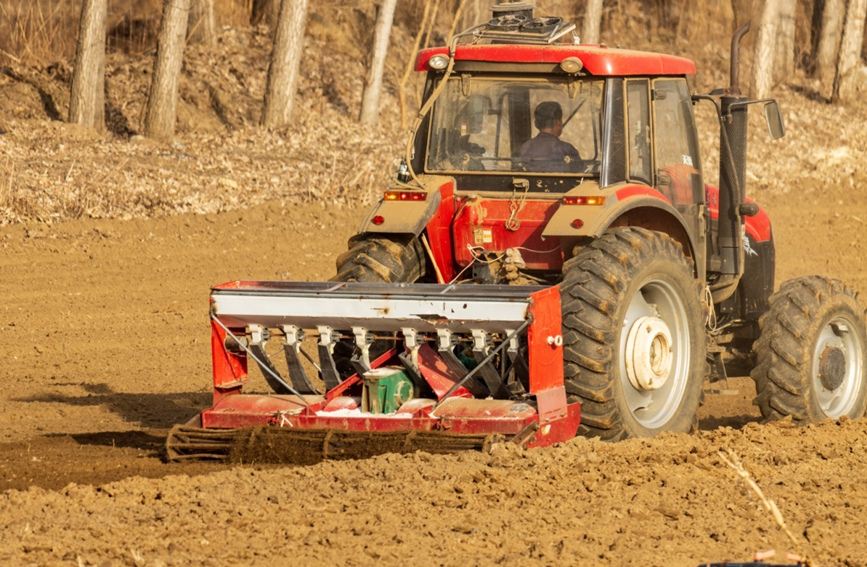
(677, 161)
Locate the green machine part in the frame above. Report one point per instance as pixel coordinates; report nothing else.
(385, 390)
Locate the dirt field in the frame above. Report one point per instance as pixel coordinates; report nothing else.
(105, 345)
(105, 337)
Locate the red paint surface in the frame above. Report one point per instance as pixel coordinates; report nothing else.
(560, 430)
(479, 215)
(230, 370)
(598, 61)
(439, 232)
(640, 191)
(758, 227)
(437, 373)
(558, 420)
(468, 416)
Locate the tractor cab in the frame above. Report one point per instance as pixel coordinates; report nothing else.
(637, 130)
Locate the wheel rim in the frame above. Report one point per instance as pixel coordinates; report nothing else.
(654, 342)
(837, 370)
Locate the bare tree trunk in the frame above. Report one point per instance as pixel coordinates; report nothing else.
(474, 14)
(850, 51)
(592, 22)
(784, 56)
(203, 23)
(828, 45)
(373, 87)
(265, 12)
(763, 54)
(162, 106)
(87, 96)
(742, 10)
(285, 63)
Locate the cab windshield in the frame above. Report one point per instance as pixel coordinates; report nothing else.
(545, 126)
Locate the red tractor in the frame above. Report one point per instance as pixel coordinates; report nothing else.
(563, 180)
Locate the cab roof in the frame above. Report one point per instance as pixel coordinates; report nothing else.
(598, 60)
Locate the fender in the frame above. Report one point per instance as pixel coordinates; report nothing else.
(409, 217)
(758, 226)
(620, 199)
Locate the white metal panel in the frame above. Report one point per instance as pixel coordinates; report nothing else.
(425, 314)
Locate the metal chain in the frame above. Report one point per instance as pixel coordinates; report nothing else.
(515, 206)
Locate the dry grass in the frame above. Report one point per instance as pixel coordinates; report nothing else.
(39, 32)
(53, 172)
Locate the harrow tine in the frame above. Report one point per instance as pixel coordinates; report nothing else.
(521, 370)
(487, 359)
(291, 349)
(272, 373)
(269, 371)
(326, 357)
(447, 342)
(492, 378)
(363, 340)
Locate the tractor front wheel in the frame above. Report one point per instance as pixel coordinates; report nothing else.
(393, 258)
(812, 352)
(633, 333)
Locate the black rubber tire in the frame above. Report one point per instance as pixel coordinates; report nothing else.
(382, 258)
(631, 268)
(807, 317)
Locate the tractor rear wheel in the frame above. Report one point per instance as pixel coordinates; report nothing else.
(393, 258)
(812, 352)
(633, 335)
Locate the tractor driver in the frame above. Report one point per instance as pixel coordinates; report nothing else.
(547, 152)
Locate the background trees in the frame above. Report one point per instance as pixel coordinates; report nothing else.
(203, 22)
(823, 39)
(373, 86)
(285, 62)
(849, 58)
(592, 22)
(162, 107)
(87, 99)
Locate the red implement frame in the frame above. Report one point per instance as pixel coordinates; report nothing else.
(459, 414)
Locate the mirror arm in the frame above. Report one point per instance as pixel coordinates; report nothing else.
(698, 97)
(749, 102)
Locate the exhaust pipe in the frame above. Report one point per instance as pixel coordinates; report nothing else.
(733, 170)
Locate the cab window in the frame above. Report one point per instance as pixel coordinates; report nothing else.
(638, 131)
(677, 157)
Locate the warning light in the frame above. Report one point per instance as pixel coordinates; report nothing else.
(405, 196)
(378, 220)
(593, 201)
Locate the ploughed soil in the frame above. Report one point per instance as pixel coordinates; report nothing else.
(105, 346)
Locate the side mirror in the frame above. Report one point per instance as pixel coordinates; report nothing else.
(774, 118)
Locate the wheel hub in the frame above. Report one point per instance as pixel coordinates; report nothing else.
(648, 353)
(832, 368)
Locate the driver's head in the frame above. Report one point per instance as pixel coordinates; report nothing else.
(547, 115)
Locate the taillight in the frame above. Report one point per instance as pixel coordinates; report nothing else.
(378, 220)
(592, 201)
(405, 196)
